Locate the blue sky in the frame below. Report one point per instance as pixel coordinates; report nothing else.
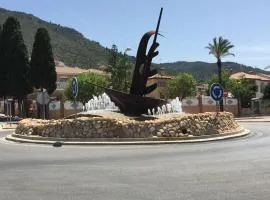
(188, 25)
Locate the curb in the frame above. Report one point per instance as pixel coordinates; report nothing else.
(153, 141)
(252, 121)
(7, 128)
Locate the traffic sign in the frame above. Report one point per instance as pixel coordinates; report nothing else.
(74, 87)
(43, 98)
(216, 91)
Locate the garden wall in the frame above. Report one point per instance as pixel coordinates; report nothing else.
(110, 127)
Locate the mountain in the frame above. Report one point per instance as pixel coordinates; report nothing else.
(72, 48)
(203, 71)
(69, 45)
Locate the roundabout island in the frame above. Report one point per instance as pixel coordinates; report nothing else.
(108, 127)
(131, 125)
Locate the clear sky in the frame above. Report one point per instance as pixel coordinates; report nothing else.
(188, 25)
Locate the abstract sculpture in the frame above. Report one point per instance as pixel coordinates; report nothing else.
(136, 103)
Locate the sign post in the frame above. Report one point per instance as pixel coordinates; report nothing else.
(216, 92)
(226, 93)
(43, 98)
(9, 112)
(75, 89)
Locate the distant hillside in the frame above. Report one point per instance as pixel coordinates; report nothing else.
(203, 71)
(72, 48)
(69, 45)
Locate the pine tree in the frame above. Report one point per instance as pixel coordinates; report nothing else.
(43, 73)
(114, 56)
(15, 61)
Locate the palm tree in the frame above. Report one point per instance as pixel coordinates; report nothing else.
(220, 48)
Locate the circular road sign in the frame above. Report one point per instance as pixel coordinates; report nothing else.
(216, 91)
(43, 98)
(74, 87)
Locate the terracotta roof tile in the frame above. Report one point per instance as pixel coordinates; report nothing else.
(61, 70)
(69, 70)
(240, 75)
(159, 76)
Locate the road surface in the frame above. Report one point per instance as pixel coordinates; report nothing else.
(230, 169)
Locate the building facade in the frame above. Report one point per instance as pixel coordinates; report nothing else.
(260, 80)
(162, 82)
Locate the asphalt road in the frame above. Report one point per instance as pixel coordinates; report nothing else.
(231, 169)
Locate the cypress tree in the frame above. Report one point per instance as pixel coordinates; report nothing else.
(2, 69)
(15, 61)
(43, 73)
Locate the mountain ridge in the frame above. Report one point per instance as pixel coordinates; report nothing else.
(75, 50)
(204, 70)
(69, 45)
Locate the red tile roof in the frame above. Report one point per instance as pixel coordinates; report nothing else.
(260, 77)
(159, 76)
(73, 71)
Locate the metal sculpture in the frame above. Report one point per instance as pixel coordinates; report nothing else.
(136, 103)
(142, 69)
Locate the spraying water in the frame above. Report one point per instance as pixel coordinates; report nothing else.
(103, 102)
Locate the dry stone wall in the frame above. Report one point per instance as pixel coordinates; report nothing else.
(106, 127)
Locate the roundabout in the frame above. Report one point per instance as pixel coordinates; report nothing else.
(111, 128)
(127, 141)
(227, 169)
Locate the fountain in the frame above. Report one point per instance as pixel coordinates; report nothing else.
(176, 105)
(136, 103)
(103, 102)
(118, 115)
(172, 107)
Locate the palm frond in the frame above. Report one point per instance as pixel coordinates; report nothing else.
(220, 47)
(227, 54)
(227, 48)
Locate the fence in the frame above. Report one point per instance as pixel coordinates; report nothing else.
(207, 104)
(194, 105)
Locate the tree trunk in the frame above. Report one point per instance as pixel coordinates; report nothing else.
(20, 110)
(13, 107)
(239, 106)
(220, 82)
(62, 108)
(24, 107)
(43, 107)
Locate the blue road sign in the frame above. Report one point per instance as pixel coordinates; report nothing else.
(74, 87)
(216, 91)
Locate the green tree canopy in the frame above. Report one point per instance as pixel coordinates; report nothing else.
(2, 69)
(43, 73)
(219, 49)
(226, 81)
(120, 70)
(266, 92)
(183, 85)
(15, 63)
(242, 89)
(87, 87)
(113, 55)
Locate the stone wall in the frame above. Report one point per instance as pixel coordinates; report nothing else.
(106, 127)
